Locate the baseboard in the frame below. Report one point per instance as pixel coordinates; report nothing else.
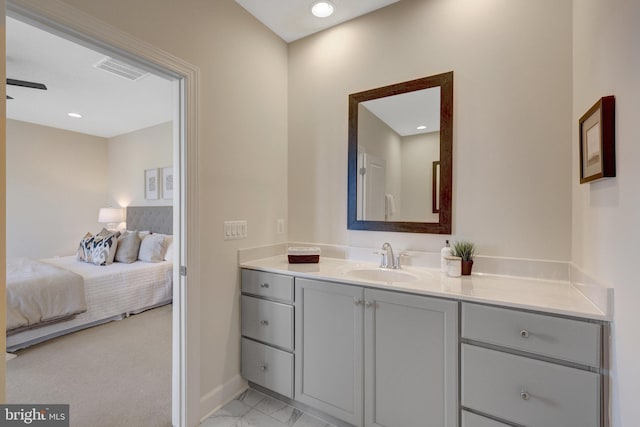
(221, 395)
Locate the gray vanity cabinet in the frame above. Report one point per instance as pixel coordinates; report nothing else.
(376, 358)
(411, 360)
(379, 358)
(329, 354)
(530, 369)
(267, 330)
(470, 419)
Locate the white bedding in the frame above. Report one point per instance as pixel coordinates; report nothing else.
(112, 292)
(40, 292)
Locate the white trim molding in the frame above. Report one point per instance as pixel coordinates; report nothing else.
(71, 23)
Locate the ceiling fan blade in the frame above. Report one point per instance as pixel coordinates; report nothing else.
(9, 97)
(23, 83)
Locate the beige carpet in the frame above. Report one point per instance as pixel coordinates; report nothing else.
(117, 374)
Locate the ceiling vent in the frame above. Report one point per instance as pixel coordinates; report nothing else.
(121, 69)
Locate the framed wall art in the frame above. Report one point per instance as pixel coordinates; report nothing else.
(597, 141)
(151, 184)
(167, 183)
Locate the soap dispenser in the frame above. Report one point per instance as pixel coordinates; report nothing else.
(444, 253)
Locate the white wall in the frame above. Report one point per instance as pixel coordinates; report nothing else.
(129, 156)
(243, 145)
(71, 176)
(512, 119)
(606, 61)
(56, 184)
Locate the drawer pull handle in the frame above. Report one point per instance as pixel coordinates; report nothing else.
(368, 304)
(263, 367)
(264, 285)
(524, 395)
(264, 322)
(524, 333)
(357, 301)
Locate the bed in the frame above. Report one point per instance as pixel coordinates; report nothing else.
(111, 292)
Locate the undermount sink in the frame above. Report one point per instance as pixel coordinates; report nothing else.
(382, 275)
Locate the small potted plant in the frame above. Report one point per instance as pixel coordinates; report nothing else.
(466, 251)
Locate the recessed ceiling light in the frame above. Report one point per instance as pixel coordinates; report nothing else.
(421, 127)
(75, 115)
(322, 9)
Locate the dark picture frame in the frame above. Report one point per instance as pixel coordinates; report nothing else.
(597, 141)
(435, 187)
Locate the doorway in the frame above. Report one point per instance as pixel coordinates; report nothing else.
(65, 21)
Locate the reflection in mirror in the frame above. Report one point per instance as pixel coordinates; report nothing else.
(400, 145)
(397, 137)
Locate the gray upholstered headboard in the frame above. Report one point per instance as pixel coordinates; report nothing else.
(157, 219)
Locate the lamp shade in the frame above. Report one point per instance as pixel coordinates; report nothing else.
(110, 215)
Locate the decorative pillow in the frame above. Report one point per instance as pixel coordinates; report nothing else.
(84, 248)
(168, 256)
(104, 232)
(152, 248)
(128, 247)
(168, 242)
(104, 249)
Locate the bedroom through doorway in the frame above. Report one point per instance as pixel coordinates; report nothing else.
(62, 176)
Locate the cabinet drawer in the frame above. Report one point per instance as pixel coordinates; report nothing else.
(470, 419)
(267, 321)
(267, 366)
(268, 285)
(566, 339)
(527, 391)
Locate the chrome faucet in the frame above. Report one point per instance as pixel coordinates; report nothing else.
(388, 260)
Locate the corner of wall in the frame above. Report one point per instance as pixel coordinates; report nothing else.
(221, 395)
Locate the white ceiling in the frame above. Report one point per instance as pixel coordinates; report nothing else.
(292, 19)
(110, 105)
(405, 112)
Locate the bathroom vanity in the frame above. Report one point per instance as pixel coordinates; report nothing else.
(479, 351)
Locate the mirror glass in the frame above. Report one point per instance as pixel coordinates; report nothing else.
(400, 145)
(398, 141)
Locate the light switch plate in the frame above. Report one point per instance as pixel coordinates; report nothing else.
(280, 226)
(234, 230)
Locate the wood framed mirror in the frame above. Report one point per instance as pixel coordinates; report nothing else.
(396, 133)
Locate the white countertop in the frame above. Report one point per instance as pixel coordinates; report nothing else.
(548, 296)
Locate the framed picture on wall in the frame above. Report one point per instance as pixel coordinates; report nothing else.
(151, 189)
(597, 141)
(435, 187)
(167, 183)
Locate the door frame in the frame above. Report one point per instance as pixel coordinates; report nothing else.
(73, 24)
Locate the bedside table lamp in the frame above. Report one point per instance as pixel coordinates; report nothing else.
(111, 216)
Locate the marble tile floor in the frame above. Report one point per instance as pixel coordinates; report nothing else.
(254, 409)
